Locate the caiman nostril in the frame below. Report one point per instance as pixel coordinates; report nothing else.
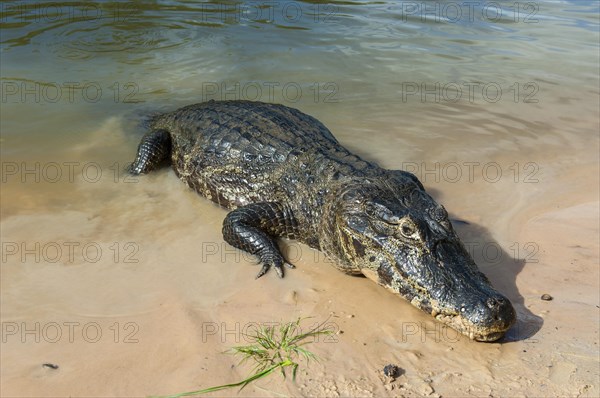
(495, 302)
(500, 309)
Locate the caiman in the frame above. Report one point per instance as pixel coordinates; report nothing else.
(283, 174)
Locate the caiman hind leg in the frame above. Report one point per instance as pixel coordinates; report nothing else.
(153, 151)
(253, 228)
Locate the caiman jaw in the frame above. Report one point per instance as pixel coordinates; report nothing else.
(485, 333)
(495, 314)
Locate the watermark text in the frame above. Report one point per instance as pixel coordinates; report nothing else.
(71, 332)
(473, 92)
(69, 252)
(469, 11)
(19, 91)
(64, 172)
(236, 332)
(326, 92)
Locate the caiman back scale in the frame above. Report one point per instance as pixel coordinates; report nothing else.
(283, 174)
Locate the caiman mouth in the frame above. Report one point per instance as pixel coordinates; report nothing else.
(474, 332)
(484, 320)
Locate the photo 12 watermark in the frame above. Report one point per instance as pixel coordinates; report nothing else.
(256, 11)
(225, 253)
(469, 11)
(66, 12)
(437, 332)
(69, 332)
(69, 252)
(471, 92)
(493, 254)
(271, 91)
(472, 172)
(65, 172)
(33, 92)
(272, 11)
(245, 332)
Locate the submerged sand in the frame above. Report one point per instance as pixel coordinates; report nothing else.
(150, 297)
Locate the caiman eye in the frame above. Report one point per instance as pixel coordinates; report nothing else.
(408, 229)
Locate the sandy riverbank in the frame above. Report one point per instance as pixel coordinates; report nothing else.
(153, 312)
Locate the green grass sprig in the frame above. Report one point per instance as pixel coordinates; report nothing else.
(272, 349)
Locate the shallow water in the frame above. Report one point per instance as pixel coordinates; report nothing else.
(494, 106)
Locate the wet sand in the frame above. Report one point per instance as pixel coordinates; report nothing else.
(150, 296)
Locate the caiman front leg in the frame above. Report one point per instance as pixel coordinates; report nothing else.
(253, 228)
(154, 149)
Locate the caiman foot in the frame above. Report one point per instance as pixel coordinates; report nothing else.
(253, 228)
(278, 265)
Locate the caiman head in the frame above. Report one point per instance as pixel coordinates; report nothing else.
(393, 232)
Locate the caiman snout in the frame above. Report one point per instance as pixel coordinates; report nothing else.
(490, 318)
(500, 309)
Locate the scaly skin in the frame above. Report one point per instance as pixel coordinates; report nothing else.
(283, 174)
